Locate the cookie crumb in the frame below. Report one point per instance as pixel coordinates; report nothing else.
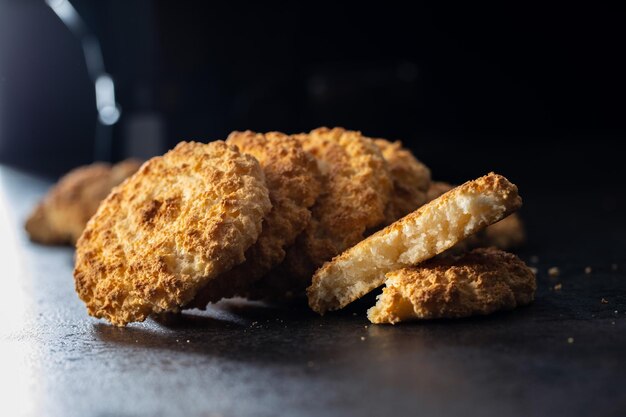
(366, 324)
(558, 287)
(570, 340)
(554, 271)
(362, 338)
(604, 301)
(535, 270)
(588, 270)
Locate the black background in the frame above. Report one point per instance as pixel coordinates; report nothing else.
(533, 92)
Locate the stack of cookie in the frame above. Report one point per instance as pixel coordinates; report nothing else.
(267, 215)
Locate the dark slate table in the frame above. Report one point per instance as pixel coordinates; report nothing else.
(564, 355)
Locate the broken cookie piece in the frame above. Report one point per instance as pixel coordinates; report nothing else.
(479, 282)
(419, 236)
(507, 234)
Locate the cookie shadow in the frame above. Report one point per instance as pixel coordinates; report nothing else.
(232, 329)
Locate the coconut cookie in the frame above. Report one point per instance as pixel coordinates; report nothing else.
(183, 219)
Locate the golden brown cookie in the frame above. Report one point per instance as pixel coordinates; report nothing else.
(293, 180)
(356, 188)
(475, 283)
(183, 219)
(506, 234)
(417, 237)
(411, 180)
(62, 214)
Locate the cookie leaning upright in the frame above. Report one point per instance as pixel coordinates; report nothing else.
(479, 282)
(418, 236)
(293, 180)
(180, 221)
(356, 188)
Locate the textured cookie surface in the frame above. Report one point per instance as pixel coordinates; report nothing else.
(476, 283)
(293, 180)
(62, 214)
(508, 233)
(180, 221)
(356, 188)
(411, 180)
(419, 236)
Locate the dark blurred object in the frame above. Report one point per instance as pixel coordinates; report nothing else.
(108, 109)
(47, 102)
(52, 120)
(469, 88)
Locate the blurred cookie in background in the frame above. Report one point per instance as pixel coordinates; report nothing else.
(61, 216)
